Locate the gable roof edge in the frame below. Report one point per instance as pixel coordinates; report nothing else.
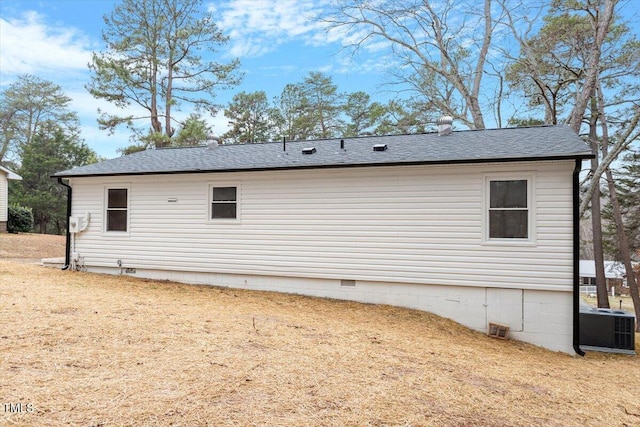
(10, 174)
(337, 166)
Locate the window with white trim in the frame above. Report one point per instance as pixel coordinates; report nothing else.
(117, 210)
(224, 202)
(509, 209)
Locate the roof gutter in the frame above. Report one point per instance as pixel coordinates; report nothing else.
(67, 253)
(576, 258)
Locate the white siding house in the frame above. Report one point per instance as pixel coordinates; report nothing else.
(413, 222)
(614, 272)
(5, 176)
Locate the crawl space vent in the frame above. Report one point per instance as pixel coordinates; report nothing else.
(309, 150)
(380, 147)
(497, 330)
(348, 283)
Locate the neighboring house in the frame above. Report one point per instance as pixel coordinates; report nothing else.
(5, 176)
(477, 226)
(614, 272)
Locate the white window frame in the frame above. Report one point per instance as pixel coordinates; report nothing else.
(105, 209)
(222, 184)
(530, 240)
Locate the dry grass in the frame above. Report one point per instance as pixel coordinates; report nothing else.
(30, 247)
(614, 302)
(93, 350)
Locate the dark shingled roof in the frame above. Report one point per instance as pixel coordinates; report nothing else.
(474, 146)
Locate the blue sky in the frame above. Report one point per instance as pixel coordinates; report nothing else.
(277, 43)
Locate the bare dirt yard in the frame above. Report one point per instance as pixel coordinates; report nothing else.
(91, 350)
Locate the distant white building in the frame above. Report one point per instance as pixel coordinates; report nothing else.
(477, 226)
(614, 272)
(5, 176)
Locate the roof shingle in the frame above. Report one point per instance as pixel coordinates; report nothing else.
(477, 146)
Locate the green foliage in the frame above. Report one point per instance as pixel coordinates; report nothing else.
(628, 191)
(552, 63)
(193, 132)
(295, 117)
(310, 109)
(134, 148)
(50, 151)
(403, 117)
(41, 135)
(25, 106)
(315, 109)
(152, 46)
(525, 122)
(322, 103)
(291, 118)
(248, 115)
(20, 219)
(362, 114)
(155, 139)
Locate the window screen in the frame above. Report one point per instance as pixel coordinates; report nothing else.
(508, 209)
(117, 207)
(224, 203)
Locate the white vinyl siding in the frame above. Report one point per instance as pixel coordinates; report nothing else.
(4, 198)
(410, 224)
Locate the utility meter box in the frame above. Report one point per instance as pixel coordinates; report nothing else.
(74, 224)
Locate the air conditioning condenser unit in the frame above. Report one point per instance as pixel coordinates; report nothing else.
(603, 329)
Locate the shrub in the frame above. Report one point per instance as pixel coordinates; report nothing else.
(20, 219)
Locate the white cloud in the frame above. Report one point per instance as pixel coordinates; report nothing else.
(219, 123)
(30, 46)
(257, 27)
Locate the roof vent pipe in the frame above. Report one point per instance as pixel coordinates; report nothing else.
(342, 144)
(212, 141)
(444, 125)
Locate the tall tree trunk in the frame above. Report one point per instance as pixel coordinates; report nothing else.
(621, 235)
(602, 21)
(624, 140)
(474, 103)
(156, 126)
(623, 247)
(6, 119)
(598, 255)
(167, 117)
(596, 217)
